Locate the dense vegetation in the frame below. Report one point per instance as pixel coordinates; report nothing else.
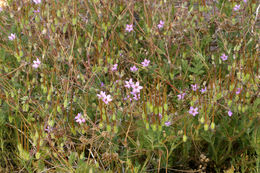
(129, 86)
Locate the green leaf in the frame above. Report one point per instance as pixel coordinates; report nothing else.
(74, 21)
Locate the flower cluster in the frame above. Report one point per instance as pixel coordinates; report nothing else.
(105, 98)
(161, 24)
(181, 96)
(129, 28)
(114, 67)
(135, 88)
(193, 111)
(80, 119)
(36, 63)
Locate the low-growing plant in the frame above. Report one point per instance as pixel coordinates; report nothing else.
(129, 86)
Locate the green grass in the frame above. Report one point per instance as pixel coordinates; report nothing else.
(77, 44)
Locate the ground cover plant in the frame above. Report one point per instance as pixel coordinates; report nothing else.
(129, 86)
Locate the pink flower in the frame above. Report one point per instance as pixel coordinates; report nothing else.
(136, 87)
(101, 95)
(134, 68)
(145, 63)
(161, 24)
(11, 37)
(136, 96)
(181, 96)
(193, 111)
(238, 91)
(224, 57)
(80, 119)
(114, 68)
(203, 90)
(129, 28)
(36, 63)
(230, 113)
(236, 8)
(129, 83)
(194, 87)
(37, 1)
(107, 99)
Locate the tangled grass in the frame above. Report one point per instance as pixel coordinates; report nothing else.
(129, 86)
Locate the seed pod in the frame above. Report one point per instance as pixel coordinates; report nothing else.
(184, 138)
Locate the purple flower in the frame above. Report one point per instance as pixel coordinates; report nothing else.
(48, 129)
(36, 11)
(101, 95)
(230, 113)
(11, 37)
(79, 118)
(134, 68)
(203, 90)
(145, 63)
(126, 97)
(236, 8)
(167, 123)
(194, 87)
(193, 111)
(181, 96)
(36, 63)
(107, 99)
(136, 87)
(129, 83)
(136, 96)
(161, 24)
(1, 9)
(238, 91)
(224, 57)
(37, 1)
(114, 68)
(129, 28)
(102, 84)
(245, 1)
